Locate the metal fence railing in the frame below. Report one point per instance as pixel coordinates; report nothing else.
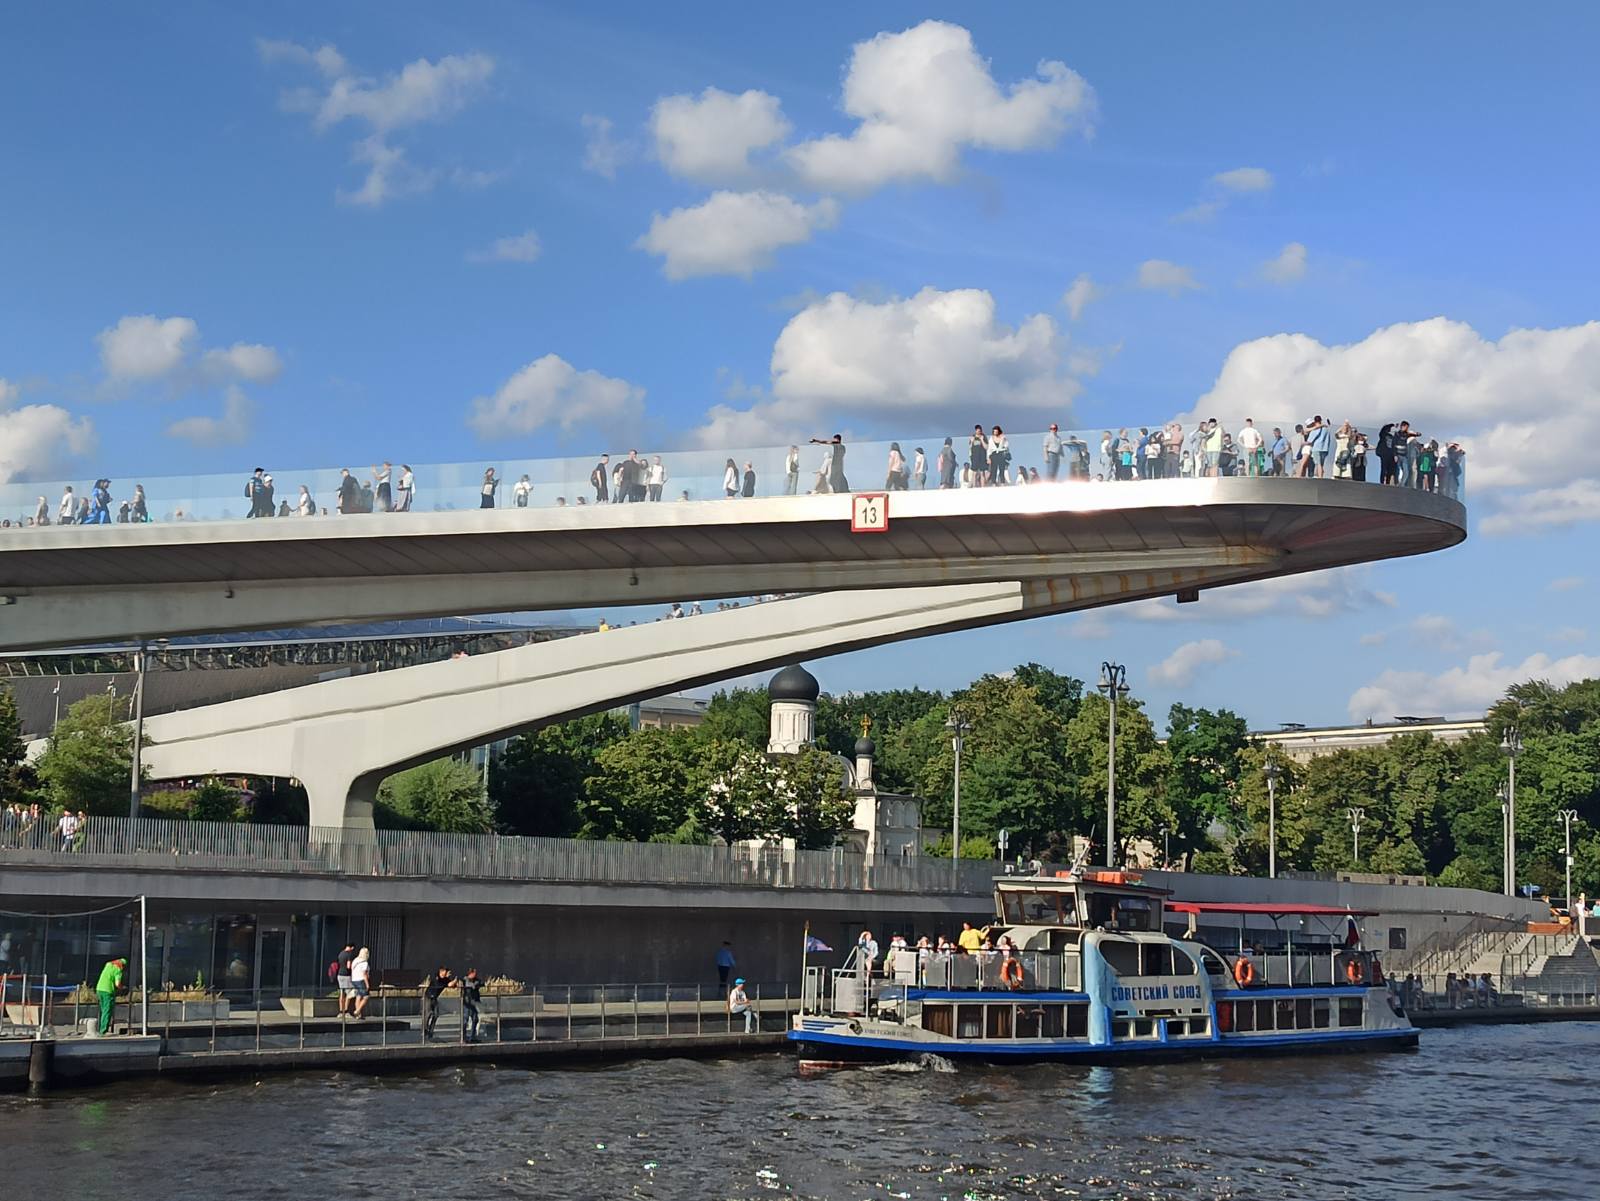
(168, 845)
(1497, 991)
(262, 1020)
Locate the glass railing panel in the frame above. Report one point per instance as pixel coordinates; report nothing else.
(1087, 455)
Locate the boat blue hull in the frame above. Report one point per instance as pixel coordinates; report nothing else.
(817, 1047)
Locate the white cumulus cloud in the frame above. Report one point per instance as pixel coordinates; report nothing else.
(1083, 292)
(230, 428)
(146, 347)
(35, 439)
(1180, 667)
(733, 233)
(551, 390)
(520, 248)
(935, 350)
(248, 361)
(710, 137)
(1288, 265)
(1545, 509)
(1223, 187)
(602, 153)
(923, 95)
(1243, 179)
(1158, 275)
(1525, 407)
(1464, 690)
(325, 59)
(421, 91)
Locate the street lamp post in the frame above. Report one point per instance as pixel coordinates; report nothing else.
(1511, 747)
(1114, 683)
(1355, 834)
(1272, 771)
(958, 727)
(138, 728)
(1568, 816)
(1166, 848)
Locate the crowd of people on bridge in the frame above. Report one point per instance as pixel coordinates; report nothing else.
(1315, 448)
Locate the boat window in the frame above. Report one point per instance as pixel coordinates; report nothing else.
(1077, 1020)
(1155, 959)
(1200, 1026)
(1028, 1021)
(1182, 963)
(1264, 1015)
(1051, 1022)
(936, 1018)
(1319, 1013)
(999, 1021)
(1144, 1028)
(1214, 964)
(1177, 1026)
(1302, 1013)
(969, 1021)
(1286, 1014)
(1102, 910)
(1119, 1029)
(1244, 1017)
(1133, 913)
(1034, 908)
(1350, 1011)
(1122, 956)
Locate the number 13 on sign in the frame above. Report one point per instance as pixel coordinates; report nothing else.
(869, 513)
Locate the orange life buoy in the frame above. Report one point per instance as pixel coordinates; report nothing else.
(1011, 972)
(1244, 972)
(1353, 972)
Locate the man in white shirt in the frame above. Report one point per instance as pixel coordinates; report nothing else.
(791, 471)
(1250, 442)
(657, 478)
(68, 829)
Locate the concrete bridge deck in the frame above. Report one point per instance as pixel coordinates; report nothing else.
(71, 584)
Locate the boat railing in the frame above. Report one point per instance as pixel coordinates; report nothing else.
(1306, 967)
(853, 988)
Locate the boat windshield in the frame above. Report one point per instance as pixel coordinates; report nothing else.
(1114, 911)
(1040, 908)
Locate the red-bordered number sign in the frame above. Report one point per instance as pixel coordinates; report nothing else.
(869, 513)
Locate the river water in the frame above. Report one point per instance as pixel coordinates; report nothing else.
(1479, 1112)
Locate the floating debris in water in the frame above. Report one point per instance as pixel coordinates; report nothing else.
(767, 1178)
(650, 1165)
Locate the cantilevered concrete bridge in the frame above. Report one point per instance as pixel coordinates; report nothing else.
(1028, 552)
(1088, 544)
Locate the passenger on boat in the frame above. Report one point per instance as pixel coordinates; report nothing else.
(969, 938)
(866, 951)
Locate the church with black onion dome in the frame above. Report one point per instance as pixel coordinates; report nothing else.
(886, 824)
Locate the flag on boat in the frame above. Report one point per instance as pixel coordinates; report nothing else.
(813, 943)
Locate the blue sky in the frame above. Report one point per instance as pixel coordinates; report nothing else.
(304, 235)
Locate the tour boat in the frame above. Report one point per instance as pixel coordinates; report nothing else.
(1095, 977)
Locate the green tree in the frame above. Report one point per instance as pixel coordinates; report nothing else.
(88, 760)
(742, 715)
(215, 801)
(644, 786)
(814, 807)
(445, 795)
(537, 785)
(1058, 693)
(1143, 767)
(17, 778)
(741, 798)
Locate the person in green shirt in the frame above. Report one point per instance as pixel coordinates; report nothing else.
(109, 985)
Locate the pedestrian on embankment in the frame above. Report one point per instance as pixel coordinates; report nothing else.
(725, 962)
(109, 985)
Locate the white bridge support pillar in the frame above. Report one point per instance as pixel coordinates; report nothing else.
(341, 737)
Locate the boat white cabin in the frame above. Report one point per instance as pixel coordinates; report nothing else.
(1083, 967)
